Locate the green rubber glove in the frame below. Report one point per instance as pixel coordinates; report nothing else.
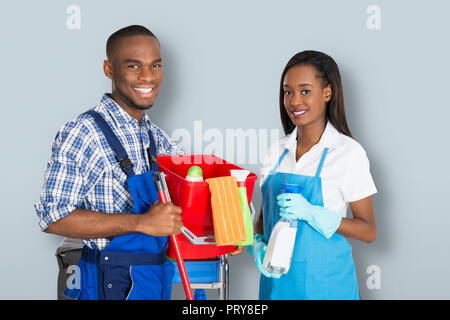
(295, 206)
(258, 250)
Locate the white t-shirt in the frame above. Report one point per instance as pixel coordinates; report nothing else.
(345, 173)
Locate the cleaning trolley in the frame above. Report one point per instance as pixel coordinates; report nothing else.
(214, 221)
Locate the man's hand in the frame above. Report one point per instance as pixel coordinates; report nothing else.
(163, 219)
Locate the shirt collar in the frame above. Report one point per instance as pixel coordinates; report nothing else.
(120, 116)
(329, 139)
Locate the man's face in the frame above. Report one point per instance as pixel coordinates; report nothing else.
(135, 68)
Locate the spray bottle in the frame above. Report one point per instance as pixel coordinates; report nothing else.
(282, 240)
(241, 176)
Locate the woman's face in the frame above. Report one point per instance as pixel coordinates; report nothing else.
(305, 98)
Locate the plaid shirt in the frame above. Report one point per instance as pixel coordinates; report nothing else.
(83, 171)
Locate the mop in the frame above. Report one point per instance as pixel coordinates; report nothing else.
(164, 197)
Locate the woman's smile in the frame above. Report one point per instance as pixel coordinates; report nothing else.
(296, 114)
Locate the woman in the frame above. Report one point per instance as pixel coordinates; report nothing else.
(319, 154)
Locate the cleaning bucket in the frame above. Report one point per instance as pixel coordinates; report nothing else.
(194, 198)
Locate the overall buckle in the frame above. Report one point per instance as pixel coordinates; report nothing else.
(125, 163)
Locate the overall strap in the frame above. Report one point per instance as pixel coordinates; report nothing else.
(279, 162)
(152, 153)
(319, 169)
(121, 154)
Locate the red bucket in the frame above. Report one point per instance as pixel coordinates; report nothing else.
(194, 199)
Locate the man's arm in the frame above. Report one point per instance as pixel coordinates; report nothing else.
(162, 219)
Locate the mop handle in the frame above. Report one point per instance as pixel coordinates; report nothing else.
(181, 267)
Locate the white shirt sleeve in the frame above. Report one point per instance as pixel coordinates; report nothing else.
(358, 183)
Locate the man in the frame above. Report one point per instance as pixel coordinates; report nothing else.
(98, 182)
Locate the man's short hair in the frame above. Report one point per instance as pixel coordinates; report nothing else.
(133, 30)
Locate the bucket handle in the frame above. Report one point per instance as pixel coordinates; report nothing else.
(197, 240)
(252, 211)
(207, 239)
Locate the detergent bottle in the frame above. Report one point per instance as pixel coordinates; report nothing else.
(282, 240)
(195, 174)
(241, 176)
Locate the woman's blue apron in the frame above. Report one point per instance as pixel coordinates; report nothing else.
(133, 266)
(321, 268)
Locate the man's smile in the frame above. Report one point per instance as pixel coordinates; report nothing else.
(144, 92)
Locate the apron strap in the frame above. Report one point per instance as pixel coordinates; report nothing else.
(279, 162)
(152, 153)
(319, 169)
(121, 154)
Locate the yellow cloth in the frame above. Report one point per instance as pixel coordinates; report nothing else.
(228, 218)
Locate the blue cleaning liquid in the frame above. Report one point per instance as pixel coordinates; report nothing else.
(200, 294)
(291, 188)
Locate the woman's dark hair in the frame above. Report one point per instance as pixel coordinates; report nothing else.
(328, 71)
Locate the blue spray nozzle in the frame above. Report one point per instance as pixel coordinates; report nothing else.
(291, 188)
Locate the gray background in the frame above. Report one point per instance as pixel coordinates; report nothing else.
(222, 63)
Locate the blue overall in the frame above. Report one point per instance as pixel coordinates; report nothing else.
(321, 268)
(133, 266)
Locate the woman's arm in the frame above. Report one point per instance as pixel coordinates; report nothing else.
(259, 223)
(362, 226)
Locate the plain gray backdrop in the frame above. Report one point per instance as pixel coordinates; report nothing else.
(222, 65)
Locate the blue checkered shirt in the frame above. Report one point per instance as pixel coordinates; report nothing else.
(83, 171)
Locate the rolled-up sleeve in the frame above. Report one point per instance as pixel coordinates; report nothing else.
(72, 171)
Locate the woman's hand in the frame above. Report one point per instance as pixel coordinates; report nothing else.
(238, 250)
